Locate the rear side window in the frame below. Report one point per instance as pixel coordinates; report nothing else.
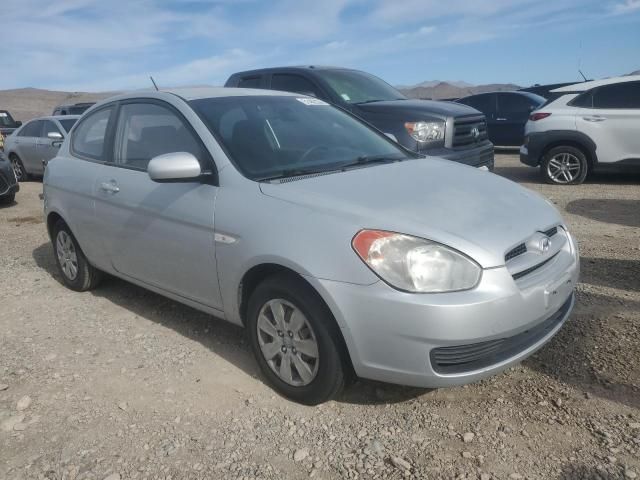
(484, 103)
(249, 82)
(621, 95)
(89, 138)
(287, 82)
(146, 130)
(31, 129)
(509, 104)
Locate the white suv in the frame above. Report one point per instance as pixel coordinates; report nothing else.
(590, 125)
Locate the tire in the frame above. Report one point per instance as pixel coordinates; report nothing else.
(68, 253)
(328, 376)
(8, 200)
(564, 165)
(18, 168)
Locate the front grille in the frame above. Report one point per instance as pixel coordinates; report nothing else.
(529, 270)
(462, 128)
(467, 358)
(551, 232)
(514, 252)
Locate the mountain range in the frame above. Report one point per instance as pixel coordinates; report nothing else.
(440, 90)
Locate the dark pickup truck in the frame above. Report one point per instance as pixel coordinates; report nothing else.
(7, 126)
(442, 129)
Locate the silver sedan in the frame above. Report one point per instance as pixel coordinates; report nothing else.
(31, 146)
(341, 252)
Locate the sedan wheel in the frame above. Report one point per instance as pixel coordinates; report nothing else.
(77, 273)
(18, 169)
(287, 342)
(67, 255)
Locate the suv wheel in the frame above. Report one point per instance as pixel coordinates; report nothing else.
(295, 340)
(76, 271)
(564, 165)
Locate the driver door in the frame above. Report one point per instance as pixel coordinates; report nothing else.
(160, 234)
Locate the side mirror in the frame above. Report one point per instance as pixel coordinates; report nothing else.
(54, 135)
(174, 167)
(18, 123)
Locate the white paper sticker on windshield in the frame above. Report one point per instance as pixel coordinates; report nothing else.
(345, 97)
(311, 101)
(2, 114)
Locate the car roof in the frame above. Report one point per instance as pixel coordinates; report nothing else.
(57, 117)
(196, 93)
(584, 86)
(260, 71)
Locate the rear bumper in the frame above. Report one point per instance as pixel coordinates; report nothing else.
(478, 156)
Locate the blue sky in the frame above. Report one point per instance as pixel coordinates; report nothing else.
(100, 45)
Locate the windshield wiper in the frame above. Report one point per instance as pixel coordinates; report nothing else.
(295, 172)
(367, 159)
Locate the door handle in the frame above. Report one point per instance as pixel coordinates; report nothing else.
(109, 187)
(501, 119)
(594, 118)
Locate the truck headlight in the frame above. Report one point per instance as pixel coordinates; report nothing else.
(424, 132)
(414, 264)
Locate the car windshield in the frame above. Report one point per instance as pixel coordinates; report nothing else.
(269, 137)
(6, 120)
(67, 123)
(359, 87)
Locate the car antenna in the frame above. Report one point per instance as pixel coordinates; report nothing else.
(154, 82)
(582, 74)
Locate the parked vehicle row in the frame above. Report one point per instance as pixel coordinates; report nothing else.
(72, 109)
(7, 126)
(339, 250)
(36, 142)
(589, 126)
(439, 129)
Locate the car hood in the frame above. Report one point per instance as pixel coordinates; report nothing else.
(474, 211)
(418, 108)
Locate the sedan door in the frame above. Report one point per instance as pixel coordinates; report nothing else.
(27, 146)
(160, 234)
(48, 147)
(610, 116)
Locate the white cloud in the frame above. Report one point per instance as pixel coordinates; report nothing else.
(626, 6)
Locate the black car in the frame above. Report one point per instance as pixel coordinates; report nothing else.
(74, 109)
(506, 112)
(7, 126)
(443, 129)
(8, 184)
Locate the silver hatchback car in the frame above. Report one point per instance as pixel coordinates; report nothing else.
(338, 250)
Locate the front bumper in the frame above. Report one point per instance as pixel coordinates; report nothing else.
(392, 336)
(480, 155)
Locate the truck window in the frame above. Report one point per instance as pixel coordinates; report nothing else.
(249, 82)
(288, 82)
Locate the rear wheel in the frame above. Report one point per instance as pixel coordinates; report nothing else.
(295, 340)
(18, 168)
(77, 273)
(564, 165)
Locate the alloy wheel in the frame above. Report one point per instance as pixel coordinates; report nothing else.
(17, 168)
(288, 342)
(564, 168)
(67, 257)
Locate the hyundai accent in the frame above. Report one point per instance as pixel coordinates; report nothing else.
(340, 251)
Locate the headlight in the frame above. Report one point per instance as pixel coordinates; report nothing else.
(414, 264)
(424, 132)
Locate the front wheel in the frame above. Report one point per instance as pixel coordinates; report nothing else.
(77, 273)
(564, 165)
(18, 168)
(296, 340)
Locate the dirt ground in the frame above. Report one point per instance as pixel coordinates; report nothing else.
(121, 383)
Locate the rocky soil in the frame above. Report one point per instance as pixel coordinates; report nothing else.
(122, 384)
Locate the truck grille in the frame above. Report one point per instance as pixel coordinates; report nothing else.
(469, 130)
(467, 358)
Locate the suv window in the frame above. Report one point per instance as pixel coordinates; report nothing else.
(484, 103)
(293, 83)
(146, 130)
(88, 138)
(31, 129)
(49, 126)
(510, 104)
(619, 95)
(249, 82)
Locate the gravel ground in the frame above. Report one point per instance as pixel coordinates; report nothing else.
(121, 383)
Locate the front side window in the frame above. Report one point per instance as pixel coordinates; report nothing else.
(510, 103)
(483, 103)
(359, 87)
(287, 82)
(618, 96)
(89, 138)
(68, 123)
(146, 130)
(271, 136)
(31, 129)
(49, 127)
